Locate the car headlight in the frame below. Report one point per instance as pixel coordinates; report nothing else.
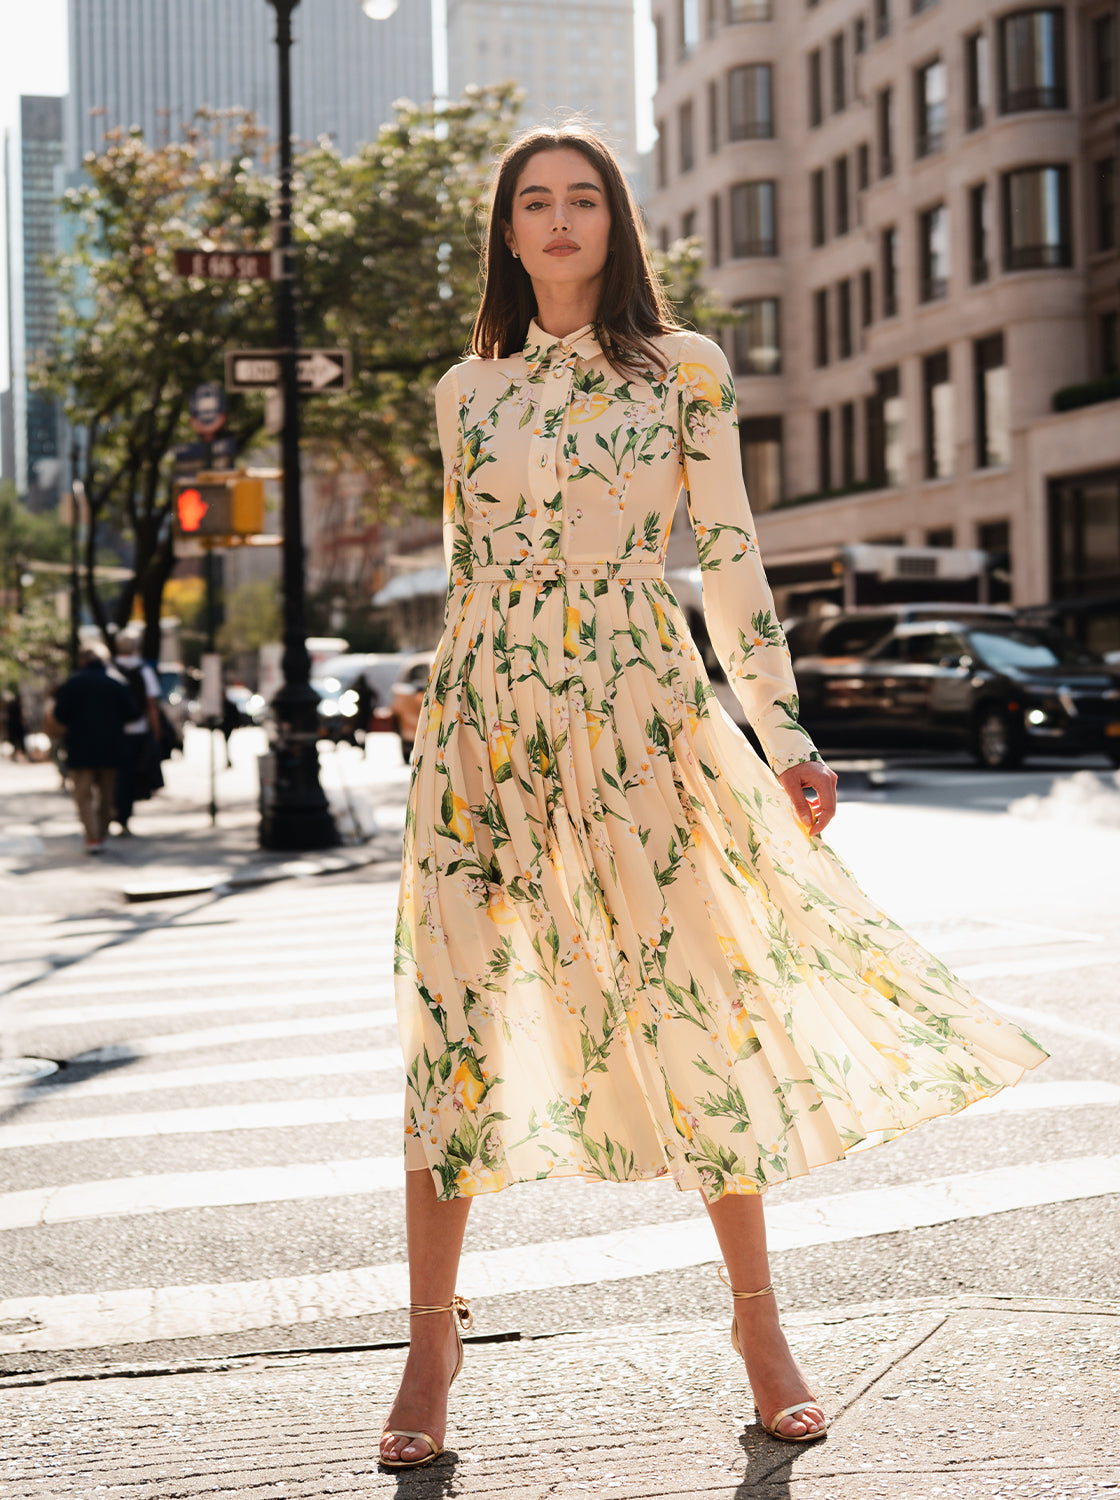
(328, 708)
(348, 703)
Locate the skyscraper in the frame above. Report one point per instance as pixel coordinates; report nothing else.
(35, 416)
(570, 57)
(153, 63)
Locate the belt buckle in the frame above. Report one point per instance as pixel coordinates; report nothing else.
(546, 572)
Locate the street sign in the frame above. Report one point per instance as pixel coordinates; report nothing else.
(208, 409)
(229, 265)
(317, 370)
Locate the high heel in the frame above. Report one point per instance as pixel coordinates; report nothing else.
(787, 1411)
(461, 1309)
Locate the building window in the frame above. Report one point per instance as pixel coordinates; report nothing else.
(824, 450)
(820, 328)
(1032, 61)
(840, 195)
(977, 100)
(662, 156)
(754, 222)
(760, 446)
(917, 6)
(882, 19)
(715, 223)
(713, 116)
(859, 36)
(750, 103)
(686, 137)
(1036, 218)
(659, 47)
(844, 319)
(848, 444)
(756, 340)
(993, 403)
(748, 10)
(866, 298)
(817, 207)
(1085, 535)
(979, 232)
(888, 251)
(941, 536)
(688, 224)
(816, 89)
(688, 27)
(839, 74)
(933, 241)
(663, 239)
(1104, 181)
(885, 115)
(863, 167)
(937, 403)
(1110, 343)
(994, 538)
(929, 109)
(1104, 57)
(886, 453)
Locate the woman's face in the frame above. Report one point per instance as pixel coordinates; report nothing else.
(561, 224)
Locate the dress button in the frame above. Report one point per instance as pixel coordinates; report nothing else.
(559, 374)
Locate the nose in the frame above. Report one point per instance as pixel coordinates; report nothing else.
(560, 218)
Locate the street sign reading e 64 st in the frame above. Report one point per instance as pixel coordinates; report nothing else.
(229, 265)
(317, 370)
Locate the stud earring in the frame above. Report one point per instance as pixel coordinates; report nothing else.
(516, 256)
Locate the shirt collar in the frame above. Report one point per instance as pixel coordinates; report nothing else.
(541, 347)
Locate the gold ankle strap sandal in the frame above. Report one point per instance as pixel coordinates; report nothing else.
(787, 1411)
(463, 1318)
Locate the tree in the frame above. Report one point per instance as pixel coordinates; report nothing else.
(135, 340)
(252, 619)
(681, 269)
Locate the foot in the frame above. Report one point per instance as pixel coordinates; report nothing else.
(775, 1379)
(421, 1404)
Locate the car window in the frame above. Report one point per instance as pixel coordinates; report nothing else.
(418, 675)
(1025, 649)
(853, 637)
(931, 647)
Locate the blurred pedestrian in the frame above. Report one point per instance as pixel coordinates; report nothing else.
(93, 709)
(232, 718)
(139, 771)
(366, 695)
(15, 726)
(623, 950)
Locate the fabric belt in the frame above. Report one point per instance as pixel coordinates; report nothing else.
(552, 570)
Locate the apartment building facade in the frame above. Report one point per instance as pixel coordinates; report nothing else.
(913, 205)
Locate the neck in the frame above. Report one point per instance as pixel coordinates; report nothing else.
(561, 310)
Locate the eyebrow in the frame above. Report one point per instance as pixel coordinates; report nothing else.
(573, 187)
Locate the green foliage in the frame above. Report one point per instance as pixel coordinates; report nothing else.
(681, 269)
(33, 644)
(252, 613)
(26, 536)
(1088, 393)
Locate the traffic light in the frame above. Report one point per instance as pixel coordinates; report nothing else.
(202, 509)
(227, 507)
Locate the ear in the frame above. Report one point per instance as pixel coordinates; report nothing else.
(507, 235)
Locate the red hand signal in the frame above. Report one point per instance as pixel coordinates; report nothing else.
(192, 508)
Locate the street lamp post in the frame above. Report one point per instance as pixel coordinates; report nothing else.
(295, 815)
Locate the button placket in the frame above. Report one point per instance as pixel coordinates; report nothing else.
(555, 393)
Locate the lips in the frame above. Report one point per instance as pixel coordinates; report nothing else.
(561, 247)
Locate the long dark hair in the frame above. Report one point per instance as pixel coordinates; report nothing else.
(633, 308)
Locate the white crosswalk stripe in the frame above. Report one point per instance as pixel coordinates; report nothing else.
(287, 967)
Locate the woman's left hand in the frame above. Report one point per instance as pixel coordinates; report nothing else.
(811, 787)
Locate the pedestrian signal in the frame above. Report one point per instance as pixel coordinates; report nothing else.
(203, 509)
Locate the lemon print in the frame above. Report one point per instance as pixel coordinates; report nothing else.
(571, 633)
(460, 820)
(468, 1089)
(701, 383)
(662, 626)
(586, 406)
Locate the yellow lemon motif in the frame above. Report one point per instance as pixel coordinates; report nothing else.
(571, 631)
(502, 908)
(475, 1180)
(460, 820)
(586, 406)
(739, 1029)
(594, 723)
(701, 383)
(501, 738)
(467, 1088)
(678, 1117)
(662, 627)
(876, 981)
(435, 717)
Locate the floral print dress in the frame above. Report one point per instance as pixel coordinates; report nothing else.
(618, 953)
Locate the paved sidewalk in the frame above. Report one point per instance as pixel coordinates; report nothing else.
(175, 849)
(969, 1397)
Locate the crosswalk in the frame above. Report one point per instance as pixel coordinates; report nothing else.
(241, 1052)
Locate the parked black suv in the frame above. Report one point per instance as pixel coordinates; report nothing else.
(999, 688)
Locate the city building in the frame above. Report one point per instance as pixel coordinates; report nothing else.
(913, 205)
(30, 190)
(571, 57)
(137, 62)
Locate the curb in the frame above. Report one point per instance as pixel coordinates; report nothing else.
(291, 869)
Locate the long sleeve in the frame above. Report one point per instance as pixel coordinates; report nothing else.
(738, 604)
(456, 537)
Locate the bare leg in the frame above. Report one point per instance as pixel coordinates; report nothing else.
(435, 1240)
(774, 1377)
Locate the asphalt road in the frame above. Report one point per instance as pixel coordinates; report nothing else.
(215, 1168)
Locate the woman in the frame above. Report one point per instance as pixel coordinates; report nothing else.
(623, 951)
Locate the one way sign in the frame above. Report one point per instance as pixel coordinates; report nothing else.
(317, 370)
